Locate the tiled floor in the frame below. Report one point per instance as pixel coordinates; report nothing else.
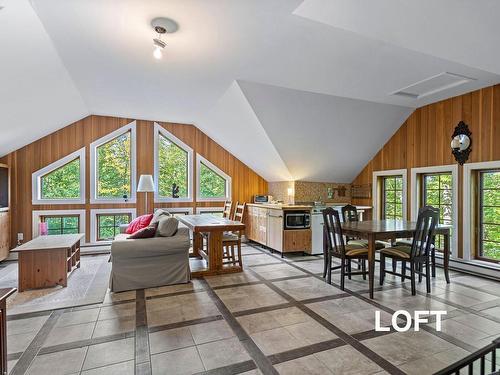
(278, 316)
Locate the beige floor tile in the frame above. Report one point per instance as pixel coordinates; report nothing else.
(113, 326)
(62, 335)
(275, 271)
(77, 317)
(191, 286)
(166, 316)
(108, 353)
(18, 326)
(117, 311)
(346, 360)
(121, 296)
(171, 339)
(211, 331)
(276, 341)
(478, 322)
(177, 362)
(19, 343)
(259, 322)
(60, 363)
(302, 366)
(222, 353)
(461, 331)
(306, 288)
(428, 365)
(123, 368)
(310, 332)
(231, 279)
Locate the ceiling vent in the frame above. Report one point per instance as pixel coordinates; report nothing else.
(433, 85)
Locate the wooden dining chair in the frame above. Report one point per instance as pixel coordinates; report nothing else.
(227, 211)
(350, 214)
(230, 240)
(334, 246)
(417, 255)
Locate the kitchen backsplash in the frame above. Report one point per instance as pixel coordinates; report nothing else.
(304, 191)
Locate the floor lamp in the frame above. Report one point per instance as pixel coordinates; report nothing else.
(146, 185)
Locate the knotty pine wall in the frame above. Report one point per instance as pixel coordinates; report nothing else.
(424, 139)
(26, 160)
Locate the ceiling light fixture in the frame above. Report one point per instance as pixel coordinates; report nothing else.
(162, 25)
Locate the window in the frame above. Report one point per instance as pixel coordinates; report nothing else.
(64, 224)
(215, 211)
(489, 215)
(437, 191)
(105, 223)
(113, 166)
(213, 184)
(59, 221)
(173, 167)
(108, 225)
(61, 182)
(392, 197)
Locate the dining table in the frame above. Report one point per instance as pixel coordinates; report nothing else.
(391, 230)
(211, 227)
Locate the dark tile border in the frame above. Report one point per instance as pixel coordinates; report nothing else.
(88, 342)
(258, 310)
(34, 347)
(29, 315)
(346, 338)
(305, 351)
(253, 350)
(184, 323)
(236, 368)
(142, 352)
(229, 286)
(173, 294)
(441, 335)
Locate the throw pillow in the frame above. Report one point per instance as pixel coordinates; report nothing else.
(139, 223)
(167, 226)
(147, 232)
(160, 212)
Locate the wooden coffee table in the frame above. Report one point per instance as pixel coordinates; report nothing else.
(47, 261)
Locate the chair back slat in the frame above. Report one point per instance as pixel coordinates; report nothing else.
(333, 228)
(239, 212)
(423, 239)
(349, 214)
(228, 205)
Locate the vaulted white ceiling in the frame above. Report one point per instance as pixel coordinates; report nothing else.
(259, 76)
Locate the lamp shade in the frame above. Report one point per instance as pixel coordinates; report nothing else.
(146, 184)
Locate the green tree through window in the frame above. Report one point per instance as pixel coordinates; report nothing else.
(438, 193)
(212, 185)
(64, 224)
(392, 199)
(62, 183)
(113, 167)
(108, 225)
(173, 168)
(489, 215)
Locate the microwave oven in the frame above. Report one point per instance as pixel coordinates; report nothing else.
(297, 220)
(262, 199)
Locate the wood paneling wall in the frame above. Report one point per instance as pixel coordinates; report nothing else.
(23, 162)
(424, 139)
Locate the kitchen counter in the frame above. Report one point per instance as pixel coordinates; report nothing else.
(281, 206)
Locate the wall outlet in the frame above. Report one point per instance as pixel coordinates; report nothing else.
(20, 236)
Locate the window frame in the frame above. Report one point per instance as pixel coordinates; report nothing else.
(160, 130)
(133, 163)
(36, 180)
(377, 191)
(104, 211)
(199, 160)
(62, 220)
(469, 217)
(416, 197)
(201, 210)
(479, 219)
(113, 215)
(37, 214)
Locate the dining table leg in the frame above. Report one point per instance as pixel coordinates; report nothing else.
(371, 262)
(197, 243)
(446, 257)
(215, 251)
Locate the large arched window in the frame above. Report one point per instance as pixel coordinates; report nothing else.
(113, 165)
(173, 167)
(61, 182)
